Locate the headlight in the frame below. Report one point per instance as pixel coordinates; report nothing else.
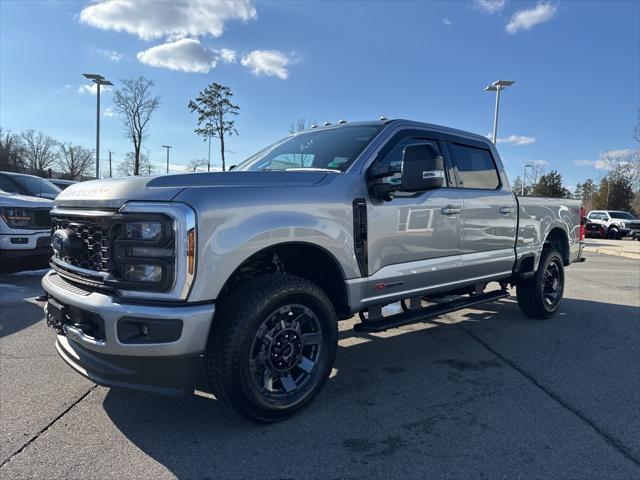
(18, 217)
(623, 225)
(143, 231)
(155, 255)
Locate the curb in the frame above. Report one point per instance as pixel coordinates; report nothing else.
(617, 253)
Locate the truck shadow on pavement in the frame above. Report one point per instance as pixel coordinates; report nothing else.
(432, 399)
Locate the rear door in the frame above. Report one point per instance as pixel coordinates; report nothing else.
(490, 212)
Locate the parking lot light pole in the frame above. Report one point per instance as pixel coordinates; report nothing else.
(99, 80)
(497, 86)
(167, 147)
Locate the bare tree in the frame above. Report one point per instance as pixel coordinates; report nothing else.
(214, 108)
(623, 164)
(75, 160)
(300, 124)
(11, 152)
(135, 104)
(39, 151)
(534, 173)
(127, 167)
(197, 164)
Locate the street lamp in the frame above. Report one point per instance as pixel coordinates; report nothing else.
(524, 173)
(497, 86)
(99, 80)
(167, 147)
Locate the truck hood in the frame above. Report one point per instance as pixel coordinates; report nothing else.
(115, 192)
(11, 200)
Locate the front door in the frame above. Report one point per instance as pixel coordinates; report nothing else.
(415, 239)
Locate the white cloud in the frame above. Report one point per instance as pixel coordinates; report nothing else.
(186, 54)
(529, 18)
(227, 56)
(174, 19)
(109, 112)
(446, 21)
(489, 6)
(112, 55)
(624, 156)
(516, 140)
(267, 62)
(92, 88)
(542, 163)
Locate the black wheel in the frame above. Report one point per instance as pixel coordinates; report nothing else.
(272, 347)
(540, 296)
(613, 234)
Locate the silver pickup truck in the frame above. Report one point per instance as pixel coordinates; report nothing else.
(240, 278)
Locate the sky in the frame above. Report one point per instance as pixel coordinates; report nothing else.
(576, 66)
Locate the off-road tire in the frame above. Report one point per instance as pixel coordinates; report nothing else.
(237, 323)
(531, 291)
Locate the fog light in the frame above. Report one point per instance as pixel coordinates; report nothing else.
(143, 273)
(19, 240)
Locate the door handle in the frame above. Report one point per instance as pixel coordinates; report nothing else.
(506, 210)
(451, 210)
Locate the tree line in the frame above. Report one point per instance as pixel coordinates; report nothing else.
(39, 154)
(134, 102)
(616, 190)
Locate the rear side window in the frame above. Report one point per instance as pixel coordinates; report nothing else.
(474, 167)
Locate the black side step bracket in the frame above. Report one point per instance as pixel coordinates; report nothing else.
(420, 315)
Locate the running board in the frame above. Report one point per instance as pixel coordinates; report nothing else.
(422, 314)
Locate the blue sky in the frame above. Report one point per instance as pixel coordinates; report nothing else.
(576, 66)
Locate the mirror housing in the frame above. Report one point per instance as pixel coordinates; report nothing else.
(422, 168)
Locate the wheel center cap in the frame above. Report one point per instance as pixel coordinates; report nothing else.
(285, 350)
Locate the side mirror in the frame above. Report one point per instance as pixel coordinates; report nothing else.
(422, 168)
(231, 168)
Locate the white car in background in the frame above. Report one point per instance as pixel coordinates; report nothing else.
(25, 227)
(617, 224)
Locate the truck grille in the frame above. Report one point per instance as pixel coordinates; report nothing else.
(96, 235)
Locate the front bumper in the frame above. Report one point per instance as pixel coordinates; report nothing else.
(31, 244)
(167, 367)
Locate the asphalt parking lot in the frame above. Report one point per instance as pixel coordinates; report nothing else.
(482, 393)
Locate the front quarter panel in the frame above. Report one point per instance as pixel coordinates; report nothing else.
(234, 224)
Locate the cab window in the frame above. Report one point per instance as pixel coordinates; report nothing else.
(474, 167)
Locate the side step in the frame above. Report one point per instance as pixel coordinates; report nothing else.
(422, 314)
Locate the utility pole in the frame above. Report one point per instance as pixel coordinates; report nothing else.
(99, 80)
(167, 147)
(110, 173)
(497, 86)
(209, 157)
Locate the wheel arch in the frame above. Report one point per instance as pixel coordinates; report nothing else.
(558, 239)
(303, 259)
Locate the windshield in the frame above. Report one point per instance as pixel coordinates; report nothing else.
(36, 186)
(330, 149)
(622, 215)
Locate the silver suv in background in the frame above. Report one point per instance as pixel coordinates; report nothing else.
(29, 185)
(241, 277)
